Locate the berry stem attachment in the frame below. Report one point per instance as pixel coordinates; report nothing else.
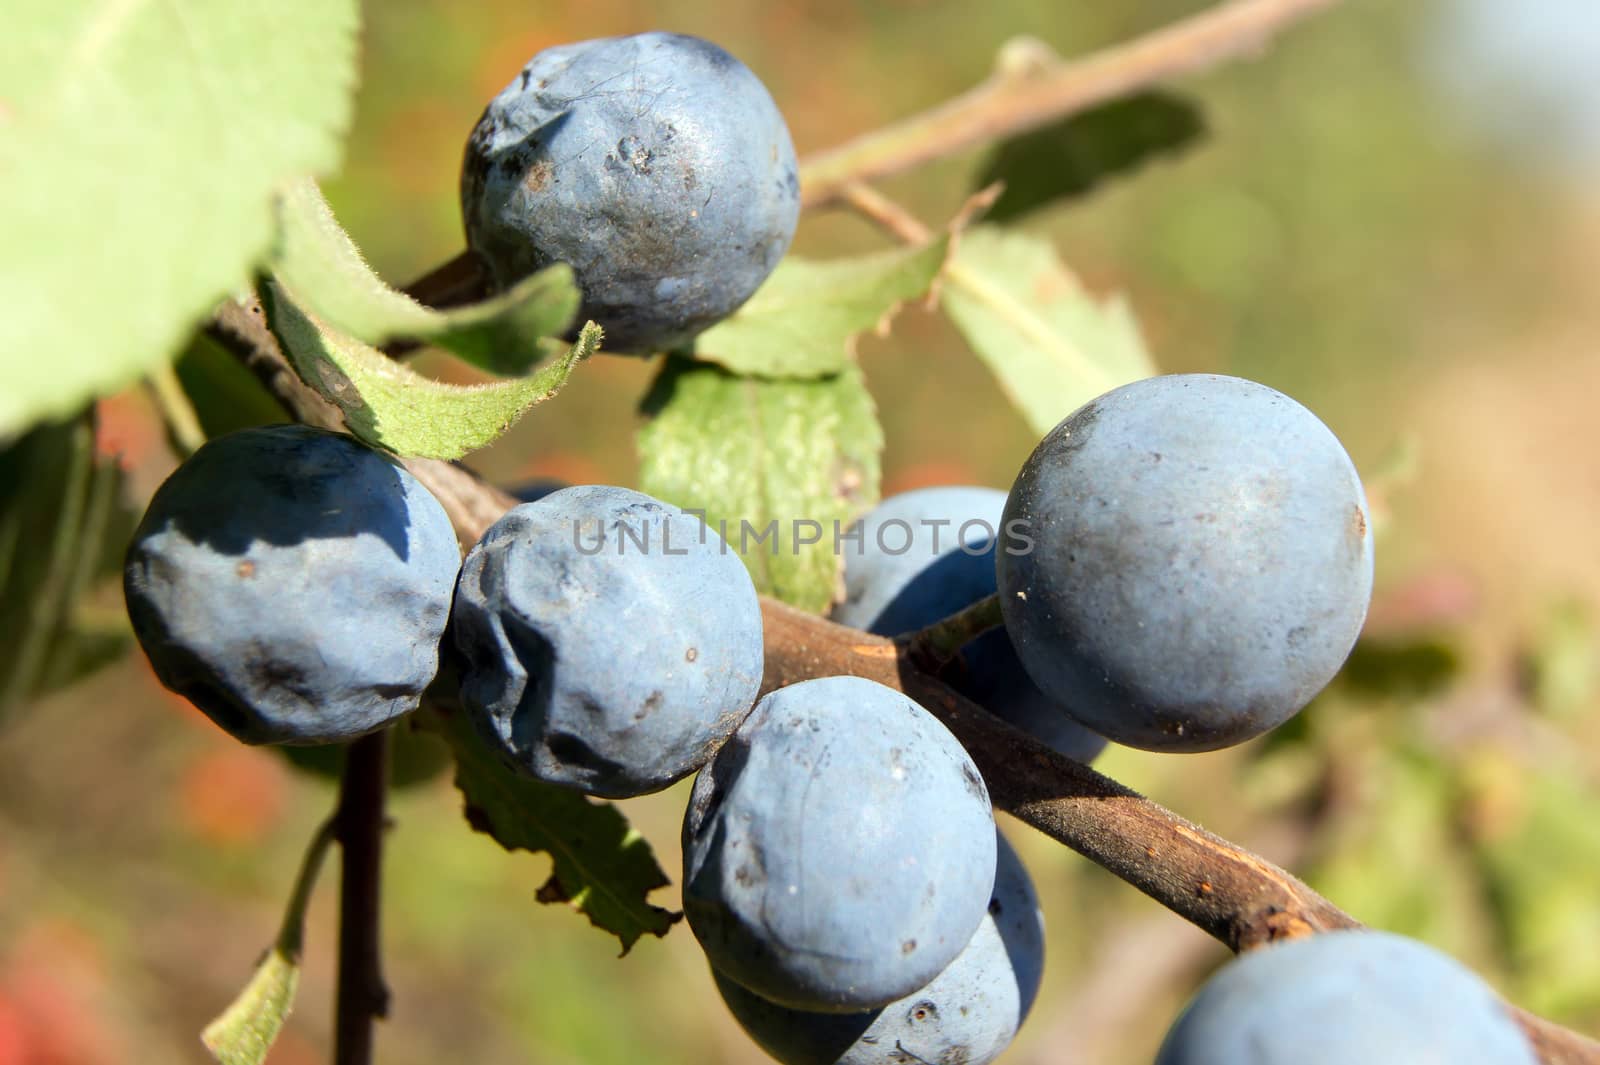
(936, 646)
(362, 996)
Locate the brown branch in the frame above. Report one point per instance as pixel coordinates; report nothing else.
(241, 328)
(459, 281)
(1234, 895)
(1032, 88)
(1237, 897)
(362, 996)
(1230, 893)
(1554, 1044)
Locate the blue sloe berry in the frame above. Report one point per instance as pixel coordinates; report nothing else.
(920, 556)
(969, 1013)
(839, 849)
(293, 584)
(607, 642)
(657, 166)
(1192, 561)
(1345, 998)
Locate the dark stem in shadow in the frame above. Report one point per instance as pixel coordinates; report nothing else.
(362, 996)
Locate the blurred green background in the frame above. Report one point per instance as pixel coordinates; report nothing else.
(1391, 216)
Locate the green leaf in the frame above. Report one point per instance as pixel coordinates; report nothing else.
(1051, 345)
(246, 1030)
(63, 526)
(141, 146)
(1391, 858)
(804, 320)
(1071, 157)
(396, 408)
(772, 463)
(1561, 664)
(323, 269)
(1412, 669)
(1538, 845)
(600, 865)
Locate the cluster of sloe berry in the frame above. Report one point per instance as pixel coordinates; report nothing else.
(1181, 565)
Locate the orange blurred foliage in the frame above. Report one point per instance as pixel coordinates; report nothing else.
(52, 992)
(127, 429)
(233, 796)
(926, 475)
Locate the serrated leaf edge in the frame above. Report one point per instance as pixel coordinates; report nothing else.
(630, 839)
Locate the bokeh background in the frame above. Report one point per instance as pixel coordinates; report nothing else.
(1391, 216)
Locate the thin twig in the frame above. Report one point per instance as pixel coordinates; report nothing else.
(292, 933)
(240, 327)
(1037, 89)
(886, 213)
(177, 413)
(362, 996)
